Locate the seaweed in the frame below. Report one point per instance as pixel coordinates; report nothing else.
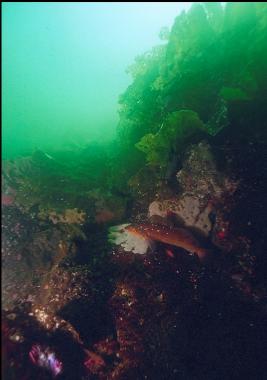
(212, 62)
(174, 132)
(167, 315)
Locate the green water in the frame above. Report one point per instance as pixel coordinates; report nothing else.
(64, 67)
(176, 147)
(115, 100)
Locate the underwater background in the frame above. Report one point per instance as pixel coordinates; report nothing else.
(64, 67)
(134, 182)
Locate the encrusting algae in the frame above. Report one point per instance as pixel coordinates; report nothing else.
(144, 258)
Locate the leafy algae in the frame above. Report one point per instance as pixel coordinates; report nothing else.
(207, 81)
(175, 131)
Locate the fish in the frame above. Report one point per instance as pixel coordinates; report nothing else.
(131, 237)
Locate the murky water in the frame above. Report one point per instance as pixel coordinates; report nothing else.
(134, 203)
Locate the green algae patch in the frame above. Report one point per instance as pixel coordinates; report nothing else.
(175, 131)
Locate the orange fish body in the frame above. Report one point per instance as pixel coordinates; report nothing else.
(178, 237)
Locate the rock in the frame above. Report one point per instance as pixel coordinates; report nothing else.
(205, 198)
(106, 207)
(200, 176)
(189, 211)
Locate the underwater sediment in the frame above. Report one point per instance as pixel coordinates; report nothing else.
(99, 282)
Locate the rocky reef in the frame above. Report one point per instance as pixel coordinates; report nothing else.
(190, 154)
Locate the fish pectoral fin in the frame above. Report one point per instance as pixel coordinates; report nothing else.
(169, 253)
